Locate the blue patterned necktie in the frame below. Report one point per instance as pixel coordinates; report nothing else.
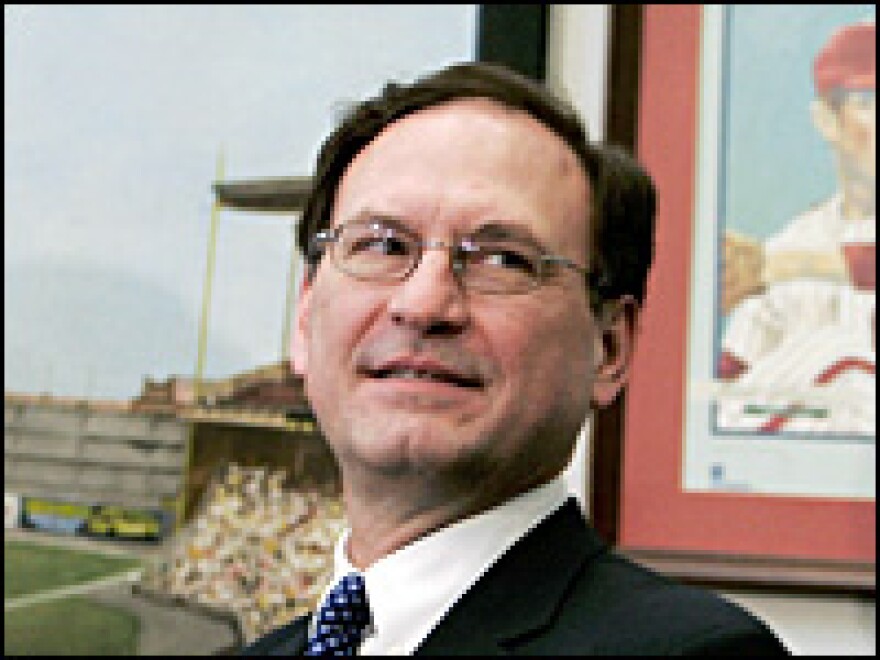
(342, 619)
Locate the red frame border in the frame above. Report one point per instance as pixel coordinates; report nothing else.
(655, 513)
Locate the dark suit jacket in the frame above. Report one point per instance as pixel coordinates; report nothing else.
(560, 591)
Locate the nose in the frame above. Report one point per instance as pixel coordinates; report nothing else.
(431, 300)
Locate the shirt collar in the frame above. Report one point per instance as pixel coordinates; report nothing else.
(411, 589)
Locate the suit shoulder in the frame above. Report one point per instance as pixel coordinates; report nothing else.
(627, 584)
(652, 613)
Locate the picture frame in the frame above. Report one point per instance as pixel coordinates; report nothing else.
(732, 537)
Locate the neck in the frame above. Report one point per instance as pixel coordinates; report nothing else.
(390, 512)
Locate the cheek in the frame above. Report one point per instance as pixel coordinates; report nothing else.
(860, 137)
(336, 323)
(549, 351)
(323, 334)
(338, 319)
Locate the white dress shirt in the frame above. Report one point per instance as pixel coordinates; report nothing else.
(412, 589)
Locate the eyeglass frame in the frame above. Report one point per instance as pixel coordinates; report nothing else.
(595, 279)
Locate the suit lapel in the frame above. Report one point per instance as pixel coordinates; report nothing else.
(519, 594)
(290, 639)
(299, 637)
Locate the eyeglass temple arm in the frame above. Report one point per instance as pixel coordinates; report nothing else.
(596, 277)
(319, 241)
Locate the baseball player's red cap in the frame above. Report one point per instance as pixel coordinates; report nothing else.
(848, 60)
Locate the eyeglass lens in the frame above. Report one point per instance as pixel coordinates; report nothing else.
(375, 251)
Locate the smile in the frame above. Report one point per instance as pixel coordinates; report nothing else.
(426, 370)
(438, 376)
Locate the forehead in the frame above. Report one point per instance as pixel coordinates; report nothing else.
(472, 159)
(477, 130)
(860, 96)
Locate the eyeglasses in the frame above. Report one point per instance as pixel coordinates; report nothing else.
(379, 250)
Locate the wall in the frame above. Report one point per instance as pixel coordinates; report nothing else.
(808, 624)
(91, 455)
(577, 54)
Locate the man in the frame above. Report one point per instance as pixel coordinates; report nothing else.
(844, 114)
(809, 318)
(476, 271)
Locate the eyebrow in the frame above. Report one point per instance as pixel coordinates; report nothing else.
(493, 231)
(504, 231)
(367, 216)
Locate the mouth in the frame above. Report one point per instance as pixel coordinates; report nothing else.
(424, 373)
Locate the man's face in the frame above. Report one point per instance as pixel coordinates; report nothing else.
(515, 371)
(858, 132)
(850, 126)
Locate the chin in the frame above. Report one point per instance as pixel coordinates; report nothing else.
(415, 447)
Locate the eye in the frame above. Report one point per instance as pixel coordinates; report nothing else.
(383, 245)
(507, 258)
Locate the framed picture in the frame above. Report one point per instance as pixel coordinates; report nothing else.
(751, 460)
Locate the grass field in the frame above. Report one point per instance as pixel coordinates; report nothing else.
(73, 625)
(32, 567)
(70, 626)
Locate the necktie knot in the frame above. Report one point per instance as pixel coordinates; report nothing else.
(342, 619)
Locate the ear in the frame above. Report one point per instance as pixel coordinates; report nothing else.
(299, 343)
(825, 120)
(614, 345)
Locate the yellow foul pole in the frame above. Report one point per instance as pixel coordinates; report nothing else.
(203, 343)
